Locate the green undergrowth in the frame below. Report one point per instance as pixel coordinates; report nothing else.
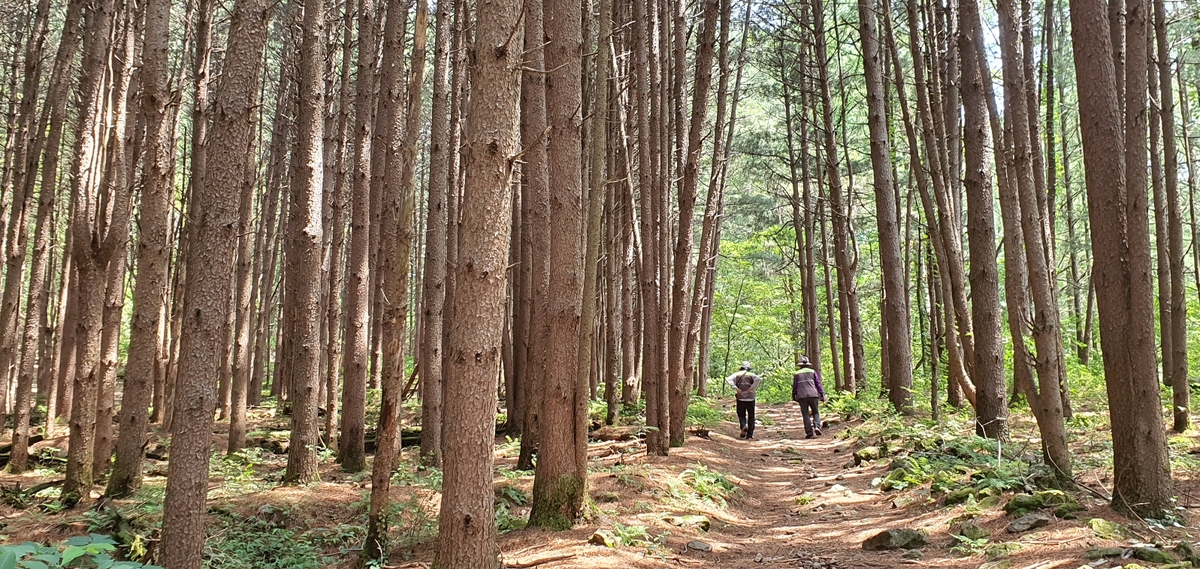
(92, 551)
(700, 487)
(945, 457)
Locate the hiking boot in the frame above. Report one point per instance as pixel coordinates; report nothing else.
(808, 436)
(817, 431)
(743, 433)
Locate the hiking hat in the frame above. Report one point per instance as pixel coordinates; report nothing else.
(746, 365)
(804, 360)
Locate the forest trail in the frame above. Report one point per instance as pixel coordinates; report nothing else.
(800, 504)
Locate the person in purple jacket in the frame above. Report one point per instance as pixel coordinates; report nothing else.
(807, 390)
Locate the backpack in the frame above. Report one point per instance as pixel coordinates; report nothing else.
(744, 381)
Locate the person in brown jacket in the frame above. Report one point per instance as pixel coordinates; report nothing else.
(745, 383)
(807, 391)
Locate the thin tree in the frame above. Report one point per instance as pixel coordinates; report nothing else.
(1178, 372)
(434, 277)
(400, 200)
(895, 309)
(351, 451)
(52, 117)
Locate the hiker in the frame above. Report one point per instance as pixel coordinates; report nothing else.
(745, 383)
(807, 390)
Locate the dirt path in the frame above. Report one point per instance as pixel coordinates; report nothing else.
(801, 504)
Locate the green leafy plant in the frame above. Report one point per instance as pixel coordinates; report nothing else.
(705, 412)
(506, 520)
(701, 483)
(968, 547)
(93, 551)
(631, 535)
(237, 542)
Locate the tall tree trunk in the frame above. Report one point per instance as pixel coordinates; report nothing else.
(680, 290)
(1045, 398)
(535, 200)
(1120, 237)
(118, 185)
(351, 451)
(213, 214)
(468, 533)
(560, 482)
(991, 410)
(337, 258)
(93, 249)
(306, 239)
(434, 276)
(150, 289)
(601, 168)
(1178, 373)
(895, 310)
(651, 297)
(400, 201)
(39, 278)
(1162, 256)
(936, 219)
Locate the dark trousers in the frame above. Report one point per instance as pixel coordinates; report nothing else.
(745, 413)
(811, 413)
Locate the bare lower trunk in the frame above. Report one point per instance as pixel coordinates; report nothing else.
(1120, 236)
(213, 214)
(895, 310)
(351, 451)
(991, 412)
(490, 139)
(399, 203)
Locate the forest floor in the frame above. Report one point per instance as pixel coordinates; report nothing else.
(777, 501)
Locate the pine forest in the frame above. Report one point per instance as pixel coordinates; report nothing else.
(473, 284)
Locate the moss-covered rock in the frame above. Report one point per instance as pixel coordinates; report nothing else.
(1104, 552)
(1024, 502)
(1152, 555)
(1187, 551)
(604, 538)
(895, 539)
(867, 454)
(1068, 511)
(1054, 497)
(959, 496)
(701, 523)
(1105, 529)
(971, 530)
(1028, 522)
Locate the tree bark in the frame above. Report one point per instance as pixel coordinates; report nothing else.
(560, 482)
(1120, 237)
(467, 530)
(93, 248)
(991, 410)
(895, 310)
(351, 451)
(434, 277)
(681, 291)
(213, 214)
(306, 239)
(535, 217)
(39, 278)
(1178, 373)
